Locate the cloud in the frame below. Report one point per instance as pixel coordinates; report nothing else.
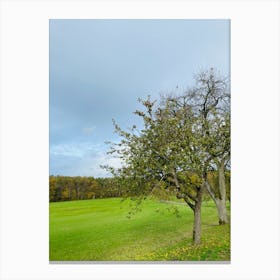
(82, 159)
(68, 150)
(88, 130)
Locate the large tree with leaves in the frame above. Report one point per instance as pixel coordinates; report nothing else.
(174, 150)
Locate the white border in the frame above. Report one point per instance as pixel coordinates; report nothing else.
(255, 138)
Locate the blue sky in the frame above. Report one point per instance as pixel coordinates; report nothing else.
(99, 68)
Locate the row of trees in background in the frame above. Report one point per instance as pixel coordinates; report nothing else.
(65, 188)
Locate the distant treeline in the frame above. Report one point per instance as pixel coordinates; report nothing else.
(66, 188)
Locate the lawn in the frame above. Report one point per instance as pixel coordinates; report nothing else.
(103, 229)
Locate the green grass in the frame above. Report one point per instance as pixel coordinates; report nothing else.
(96, 230)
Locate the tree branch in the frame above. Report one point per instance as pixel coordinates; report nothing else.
(189, 203)
(210, 190)
(190, 196)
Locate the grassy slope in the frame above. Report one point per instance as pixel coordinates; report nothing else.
(100, 230)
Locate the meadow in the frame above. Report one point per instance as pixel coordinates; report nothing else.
(104, 230)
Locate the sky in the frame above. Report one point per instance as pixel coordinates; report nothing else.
(99, 69)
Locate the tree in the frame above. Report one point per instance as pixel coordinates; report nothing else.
(52, 188)
(178, 145)
(211, 102)
(163, 151)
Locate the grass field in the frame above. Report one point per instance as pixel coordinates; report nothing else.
(100, 230)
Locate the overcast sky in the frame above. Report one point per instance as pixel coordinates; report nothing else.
(99, 68)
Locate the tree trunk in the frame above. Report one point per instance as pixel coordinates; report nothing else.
(197, 217)
(195, 205)
(221, 203)
(222, 211)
